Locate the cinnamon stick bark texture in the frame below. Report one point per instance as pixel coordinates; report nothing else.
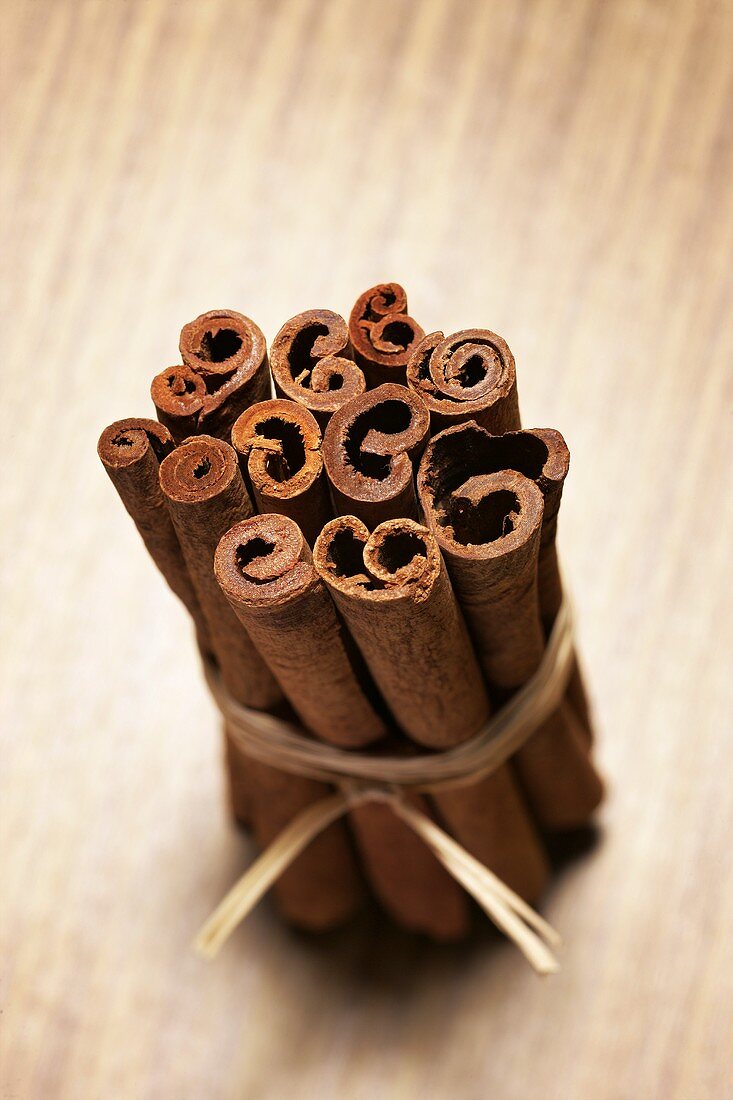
(224, 371)
(206, 496)
(489, 531)
(549, 475)
(205, 493)
(369, 448)
(131, 452)
(394, 594)
(493, 822)
(312, 362)
(265, 569)
(541, 454)
(410, 883)
(322, 888)
(467, 376)
(383, 334)
(279, 444)
(203, 489)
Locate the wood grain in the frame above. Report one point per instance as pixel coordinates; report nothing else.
(557, 171)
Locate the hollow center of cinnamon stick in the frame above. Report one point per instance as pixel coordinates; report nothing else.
(386, 298)
(346, 556)
(470, 372)
(127, 441)
(398, 333)
(202, 468)
(397, 549)
(394, 551)
(300, 357)
(179, 383)
(217, 347)
(472, 451)
(290, 459)
(250, 551)
(389, 418)
(486, 520)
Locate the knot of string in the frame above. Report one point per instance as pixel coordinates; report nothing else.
(363, 777)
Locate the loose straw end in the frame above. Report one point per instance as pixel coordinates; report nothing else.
(265, 870)
(553, 938)
(205, 945)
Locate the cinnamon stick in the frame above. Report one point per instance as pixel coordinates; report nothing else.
(312, 362)
(224, 371)
(383, 334)
(467, 376)
(279, 443)
(541, 454)
(205, 493)
(410, 883)
(489, 531)
(369, 447)
(203, 490)
(265, 569)
(321, 889)
(206, 496)
(131, 452)
(393, 591)
(407, 878)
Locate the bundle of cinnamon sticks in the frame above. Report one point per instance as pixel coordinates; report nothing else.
(371, 553)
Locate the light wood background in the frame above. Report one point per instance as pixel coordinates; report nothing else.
(561, 172)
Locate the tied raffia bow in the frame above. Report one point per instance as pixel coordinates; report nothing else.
(361, 778)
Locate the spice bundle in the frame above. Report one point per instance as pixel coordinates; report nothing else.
(370, 563)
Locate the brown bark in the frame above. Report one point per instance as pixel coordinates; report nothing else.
(224, 371)
(410, 883)
(467, 376)
(491, 503)
(203, 490)
(393, 591)
(206, 496)
(492, 821)
(279, 444)
(265, 569)
(383, 334)
(489, 531)
(131, 452)
(312, 362)
(369, 448)
(322, 888)
(541, 454)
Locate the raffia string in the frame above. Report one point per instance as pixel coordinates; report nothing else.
(365, 777)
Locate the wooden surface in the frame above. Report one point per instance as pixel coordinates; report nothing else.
(559, 172)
